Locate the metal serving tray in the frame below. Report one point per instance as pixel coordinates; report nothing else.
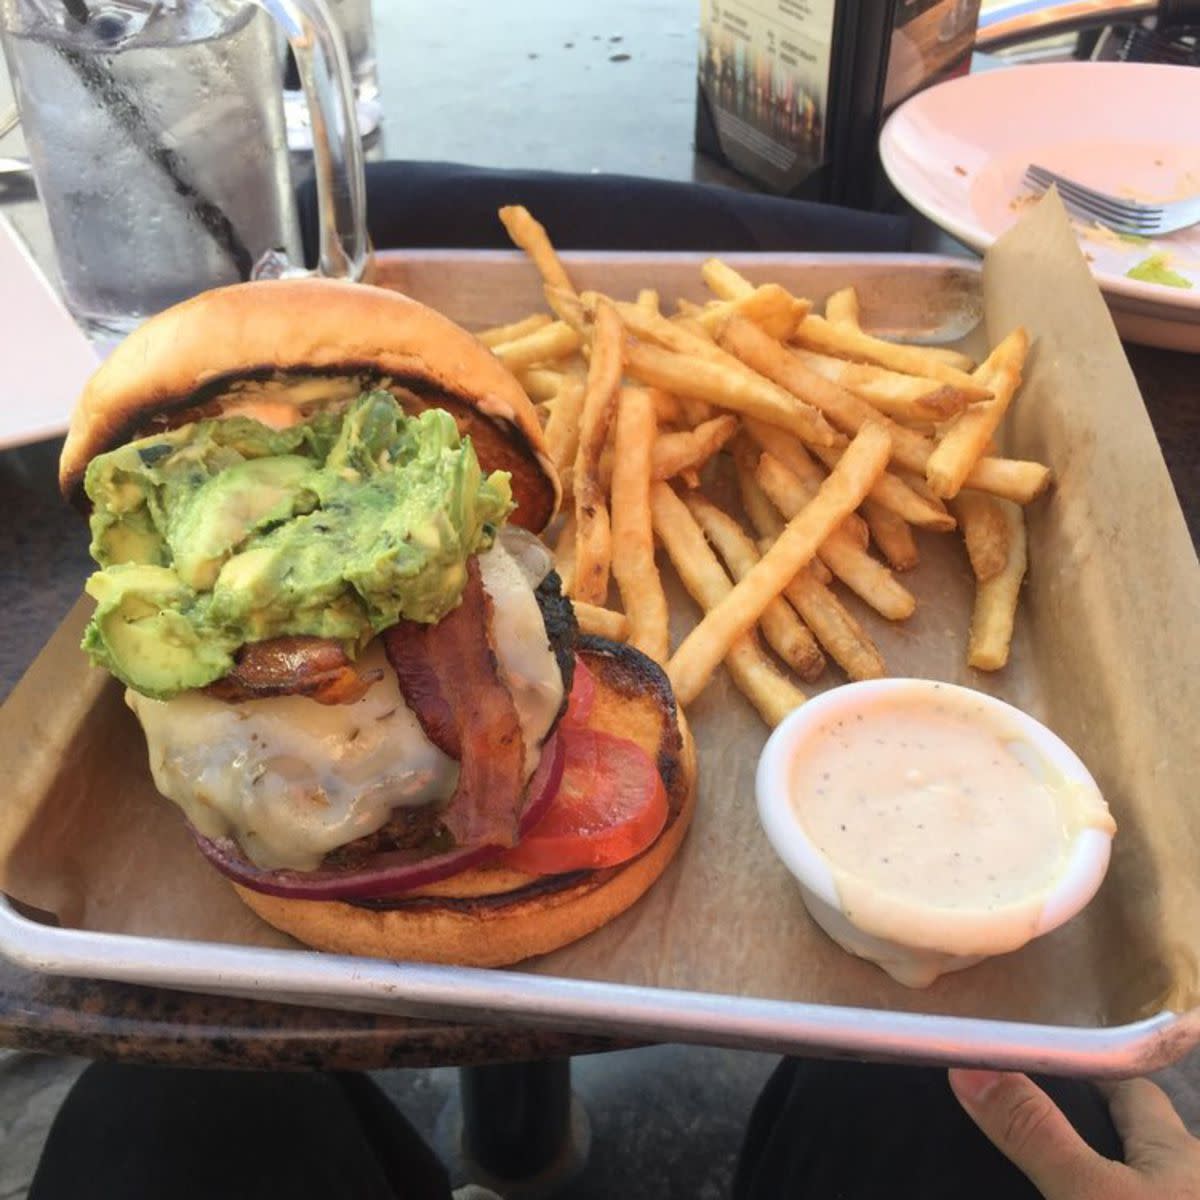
(720, 950)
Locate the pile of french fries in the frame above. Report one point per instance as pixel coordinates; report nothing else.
(840, 442)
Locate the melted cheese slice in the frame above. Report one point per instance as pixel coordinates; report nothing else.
(290, 779)
(523, 651)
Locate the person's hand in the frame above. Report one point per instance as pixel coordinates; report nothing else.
(1161, 1158)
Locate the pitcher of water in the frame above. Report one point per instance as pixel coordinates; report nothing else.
(158, 143)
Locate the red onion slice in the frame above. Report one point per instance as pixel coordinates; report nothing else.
(389, 873)
(543, 783)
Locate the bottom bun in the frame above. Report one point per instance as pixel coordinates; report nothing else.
(490, 917)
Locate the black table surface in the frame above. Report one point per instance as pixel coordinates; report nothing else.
(43, 562)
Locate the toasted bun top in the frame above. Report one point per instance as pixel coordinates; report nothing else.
(183, 357)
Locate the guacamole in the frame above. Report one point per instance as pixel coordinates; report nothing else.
(224, 532)
(1155, 270)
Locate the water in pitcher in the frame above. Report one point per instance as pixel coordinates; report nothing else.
(158, 143)
(355, 20)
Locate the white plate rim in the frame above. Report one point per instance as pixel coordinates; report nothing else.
(981, 239)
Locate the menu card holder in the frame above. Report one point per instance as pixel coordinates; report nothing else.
(792, 94)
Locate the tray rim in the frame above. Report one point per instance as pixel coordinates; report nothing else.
(970, 267)
(307, 977)
(972, 263)
(505, 997)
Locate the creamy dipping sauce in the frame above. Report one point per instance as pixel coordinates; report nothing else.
(942, 825)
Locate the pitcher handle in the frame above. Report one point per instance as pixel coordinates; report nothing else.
(324, 69)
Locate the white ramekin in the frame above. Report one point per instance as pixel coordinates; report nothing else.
(910, 964)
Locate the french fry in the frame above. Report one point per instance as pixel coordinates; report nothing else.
(893, 493)
(695, 412)
(752, 672)
(564, 555)
(996, 600)
(642, 595)
(1003, 477)
(1010, 479)
(673, 335)
(770, 303)
(819, 571)
(716, 383)
(601, 622)
(868, 579)
(517, 329)
(844, 341)
(562, 430)
(773, 308)
(986, 531)
(905, 398)
(548, 344)
(764, 516)
(530, 235)
(948, 355)
(952, 358)
(790, 451)
(917, 482)
(967, 438)
(677, 454)
(690, 449)
(843, 409)
(694, 327)
(834, 627)
(784, 632)
(693, 662)
(1013, 479)
(758, 679)
(838, 632)
(839, 438)
(793, 455)
(892, 535)
(723, 281)
(568, 308)
(593, 536)
(842, 308)
(667, 409)
(541, 383)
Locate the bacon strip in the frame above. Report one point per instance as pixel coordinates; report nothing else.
(294, 666)
(468, 697)
(421, 686)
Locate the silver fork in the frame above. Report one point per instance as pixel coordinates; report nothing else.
(1122, 216)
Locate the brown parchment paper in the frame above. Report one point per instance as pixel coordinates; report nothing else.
(1106, 652)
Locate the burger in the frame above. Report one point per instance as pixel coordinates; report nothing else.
(314, 508)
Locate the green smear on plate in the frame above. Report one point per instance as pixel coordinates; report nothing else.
(1155, 270)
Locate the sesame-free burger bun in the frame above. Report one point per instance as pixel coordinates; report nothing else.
(182, 364)
(492, 916)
